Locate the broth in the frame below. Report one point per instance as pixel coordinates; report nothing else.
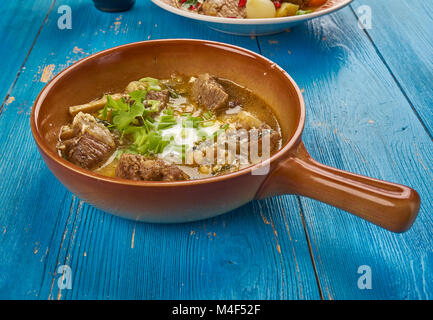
(181, 128)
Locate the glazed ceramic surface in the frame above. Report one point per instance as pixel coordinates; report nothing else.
(254, 27)
(291, 170)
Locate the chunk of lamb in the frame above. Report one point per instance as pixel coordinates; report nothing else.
(140, 168)
(162, 96)
(86, 142)
(224, 8)
(207, 92)
(265, 131)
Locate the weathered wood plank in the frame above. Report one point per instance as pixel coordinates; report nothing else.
(359, 120)
(405, 42)
(17, 38)
(258, 251)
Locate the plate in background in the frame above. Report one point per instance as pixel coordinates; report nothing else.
(254, 27)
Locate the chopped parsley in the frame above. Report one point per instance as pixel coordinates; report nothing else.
(132, 116)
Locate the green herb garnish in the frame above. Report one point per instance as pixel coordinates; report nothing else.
(220, 130)
(167, 121)
(152, 83)
(209, 123)
(133, 118)
(191, 122)
(301, 12)
(208, 115)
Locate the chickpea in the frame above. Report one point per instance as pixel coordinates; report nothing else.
(216, 168)
(134, 86)
(204, 169)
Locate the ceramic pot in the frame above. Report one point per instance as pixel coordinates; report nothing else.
(291, 169)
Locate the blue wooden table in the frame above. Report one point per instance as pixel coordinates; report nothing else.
(369, 97)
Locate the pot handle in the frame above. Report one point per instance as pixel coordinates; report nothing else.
(389, 205)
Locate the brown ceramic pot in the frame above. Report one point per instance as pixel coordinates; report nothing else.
(292, 171)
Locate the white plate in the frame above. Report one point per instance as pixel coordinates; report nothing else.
(254, 27)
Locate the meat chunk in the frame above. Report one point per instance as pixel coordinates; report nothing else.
(266, 132)
(209, 93)
(140, 168)
(163, 96)
(274, 137)
(86, 142)
(86, 151)
(223, 8)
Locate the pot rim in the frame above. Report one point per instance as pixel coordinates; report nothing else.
(278, 156)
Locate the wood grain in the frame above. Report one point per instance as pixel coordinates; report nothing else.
(359, 120)
(17, 39)
(256, 252)
(404, 41)
(364, 103)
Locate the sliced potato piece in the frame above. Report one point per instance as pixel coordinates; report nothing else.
(260, 9)
(287, 9)
(93, 106)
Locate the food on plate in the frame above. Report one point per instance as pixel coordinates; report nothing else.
(251, 9)
(180, 128)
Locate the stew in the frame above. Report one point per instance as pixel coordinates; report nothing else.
(181, 128)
